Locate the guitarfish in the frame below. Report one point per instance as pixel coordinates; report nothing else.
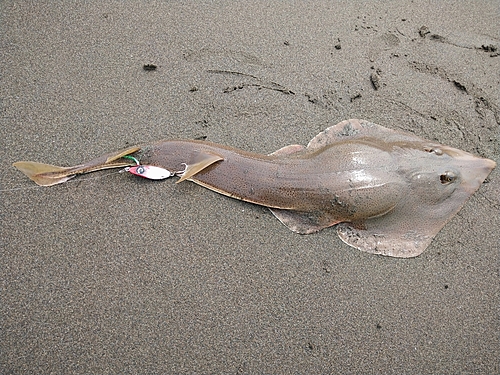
(388, 192)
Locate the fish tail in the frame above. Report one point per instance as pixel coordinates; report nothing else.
(46, 174)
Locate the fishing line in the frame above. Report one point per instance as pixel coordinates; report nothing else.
(66, 183)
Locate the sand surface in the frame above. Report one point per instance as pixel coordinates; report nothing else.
(112, 274)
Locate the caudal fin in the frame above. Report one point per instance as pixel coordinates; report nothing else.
(48, 175)
(45, 174)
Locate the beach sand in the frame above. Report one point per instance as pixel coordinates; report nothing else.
(109, 273)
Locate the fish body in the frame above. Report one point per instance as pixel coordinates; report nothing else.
(389, 192)
(304, 181)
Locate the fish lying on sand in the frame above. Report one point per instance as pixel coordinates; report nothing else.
(389, 192)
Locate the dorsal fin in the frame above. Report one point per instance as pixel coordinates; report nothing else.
(120, 154)
(200, 161)
(288, 150)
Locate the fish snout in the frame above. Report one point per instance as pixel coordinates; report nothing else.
(473, 169)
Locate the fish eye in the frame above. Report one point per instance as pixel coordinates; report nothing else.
(433, 150)
(447, 177)
(140, 169)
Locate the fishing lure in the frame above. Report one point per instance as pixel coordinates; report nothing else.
(148, 171)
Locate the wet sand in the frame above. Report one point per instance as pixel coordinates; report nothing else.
(112, 274)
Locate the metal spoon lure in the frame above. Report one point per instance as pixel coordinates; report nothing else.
(147, 171)
(150, 171)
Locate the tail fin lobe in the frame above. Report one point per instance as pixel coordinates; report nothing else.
(44, 174)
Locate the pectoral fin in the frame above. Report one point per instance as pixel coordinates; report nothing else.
(199, 162)
(372, 237)
(361, 129)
